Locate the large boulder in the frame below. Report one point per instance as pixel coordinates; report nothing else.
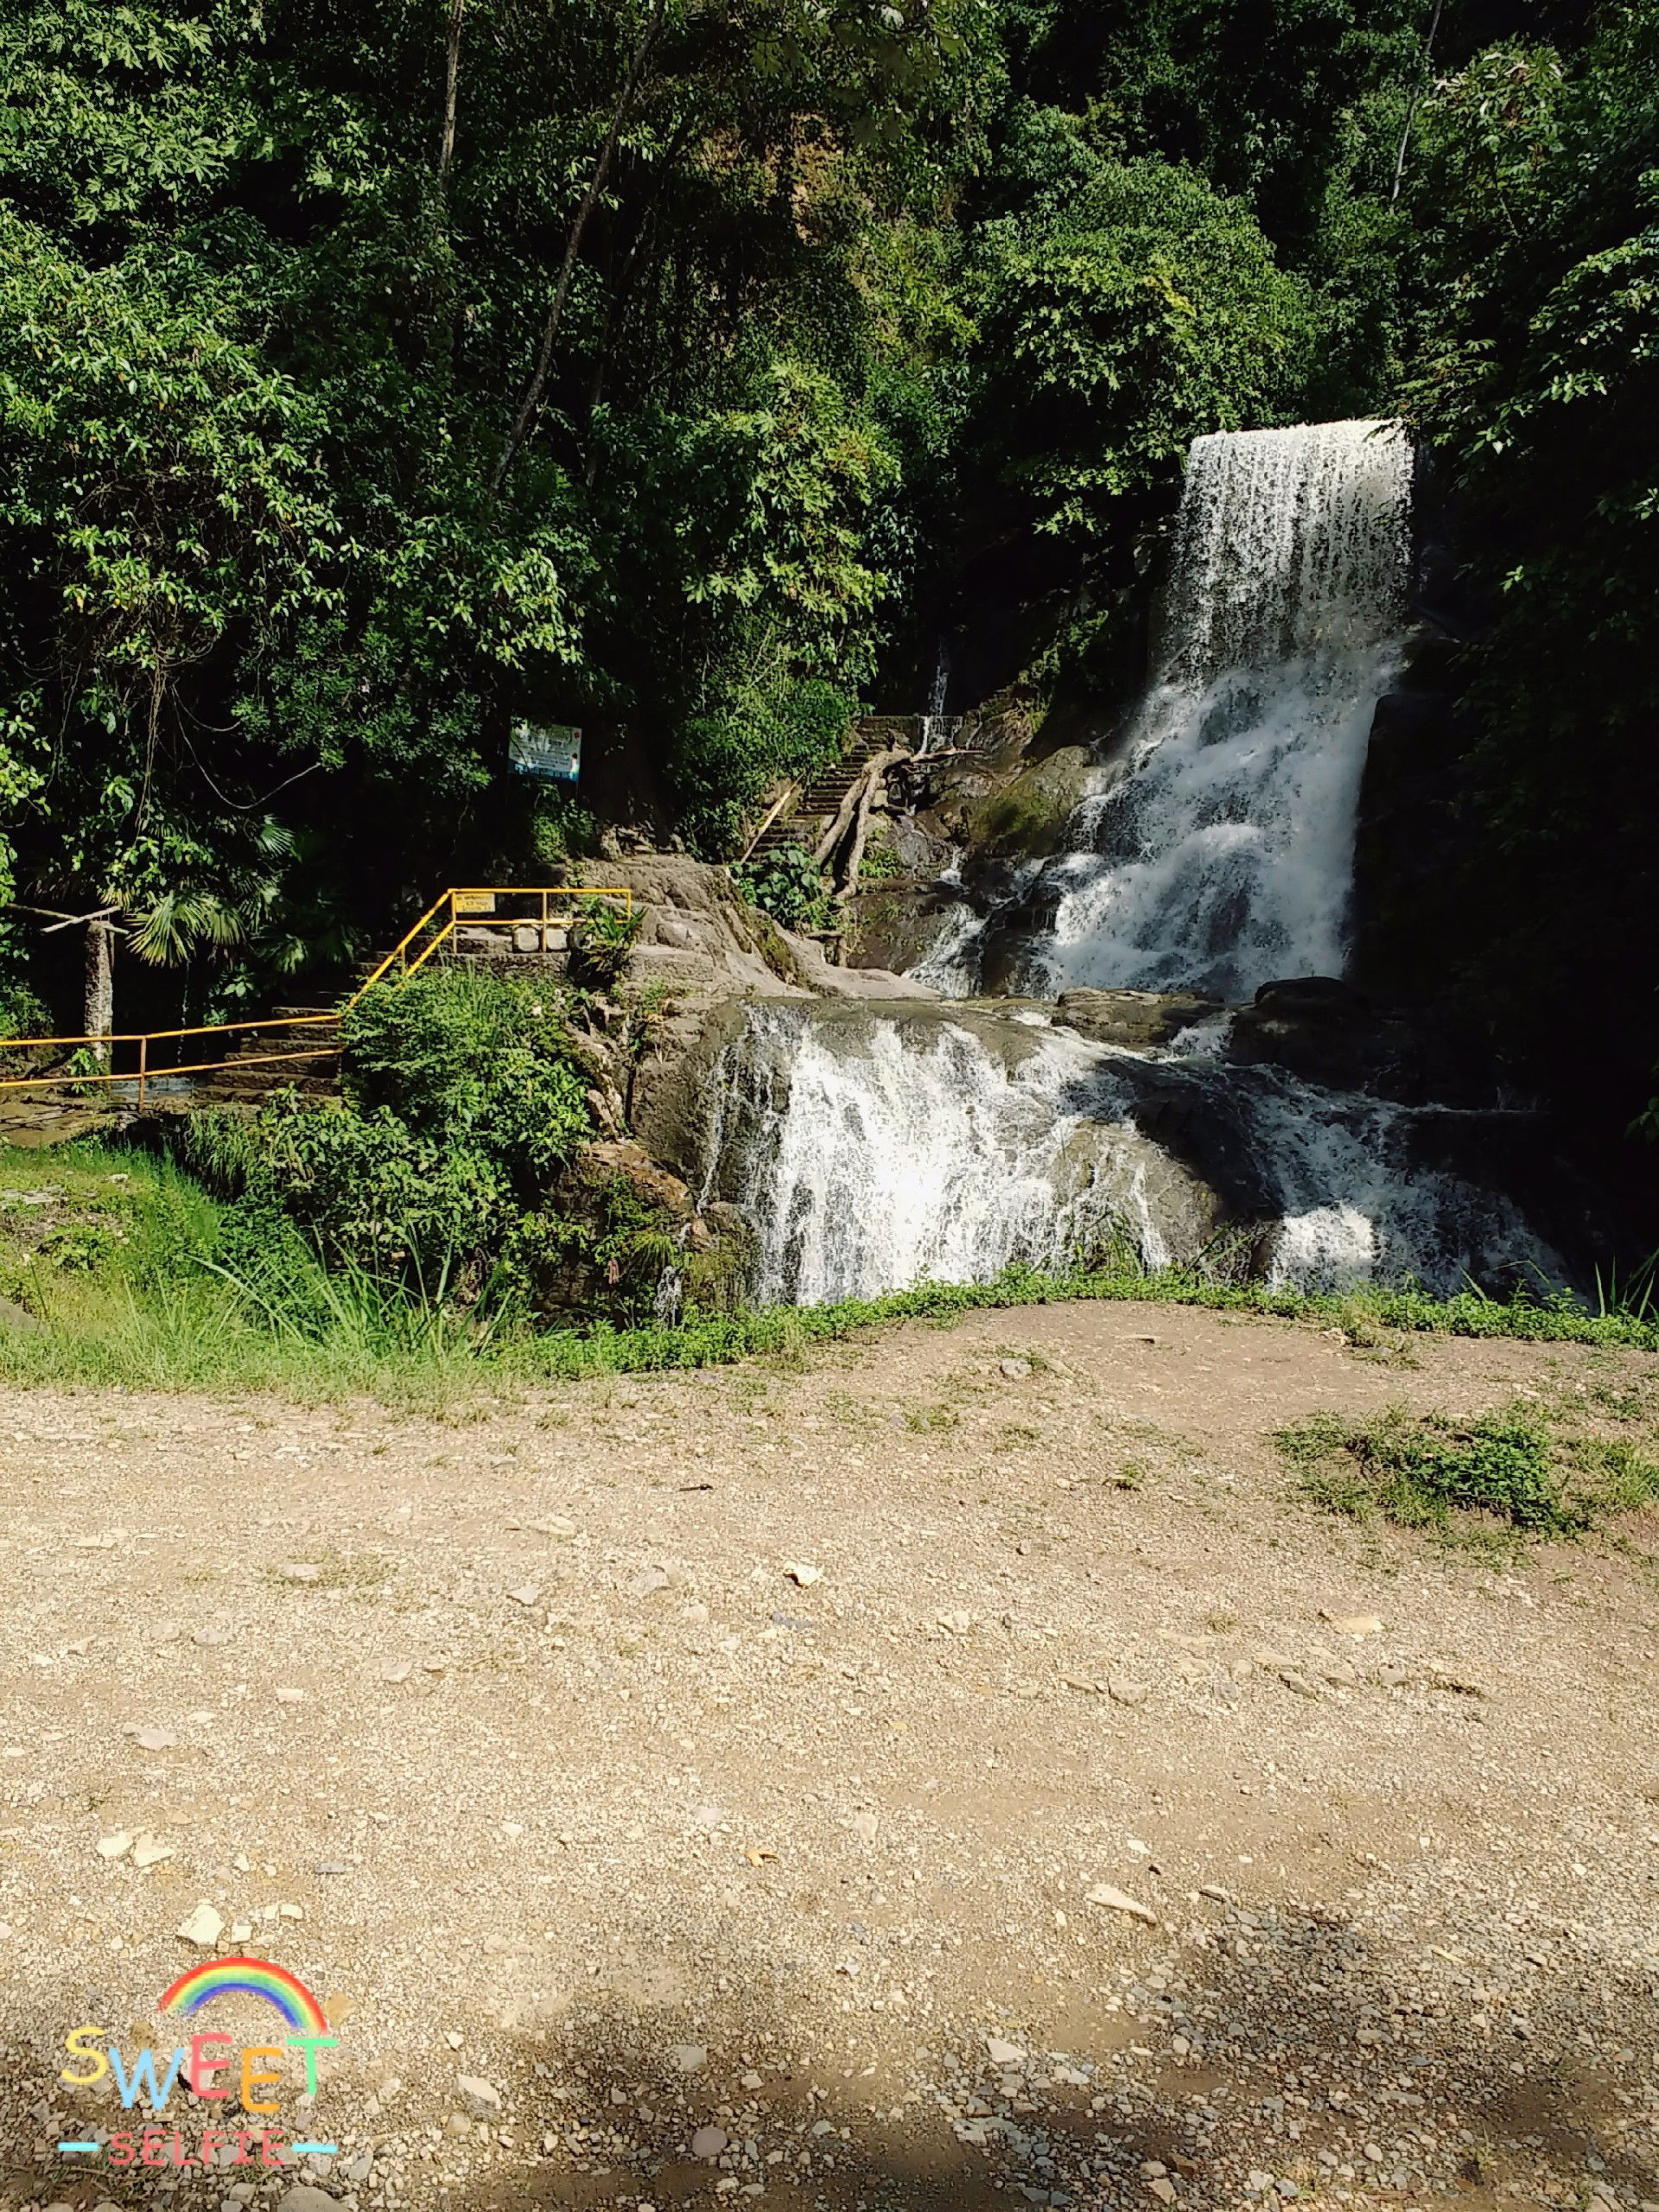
(1136, 1019)
(700, 936)
(1028, 818)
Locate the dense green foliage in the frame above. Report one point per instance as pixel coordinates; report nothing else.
(787, 885)
(1541, 202)
(453, 1177)
(371, 377)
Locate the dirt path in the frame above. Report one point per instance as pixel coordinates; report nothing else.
(714, 1771)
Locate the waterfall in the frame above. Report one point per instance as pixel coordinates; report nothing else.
(872, 1151)
(868, 1155)
(1215, 851)
(870, 1148)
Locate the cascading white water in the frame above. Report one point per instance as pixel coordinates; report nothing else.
(871, 1152)
(869, 1149)
(870, 1157)
(1215, 854)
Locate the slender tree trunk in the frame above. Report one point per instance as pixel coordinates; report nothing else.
(1411, 105)
(100, 986)
(537, 384)
(451, 79)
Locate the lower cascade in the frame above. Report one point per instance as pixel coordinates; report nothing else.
(871, 1148)
(872, 1151)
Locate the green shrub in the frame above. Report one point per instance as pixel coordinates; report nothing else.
(476, 1061)
(79, 1246)
(560, 828)
(368, 1188)
(727, 756)
(22, 1014)
(467, 1100)
(1418, 1469)
(600, 945)
(789, 886)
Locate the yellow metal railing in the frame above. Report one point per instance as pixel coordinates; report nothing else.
(461, 907)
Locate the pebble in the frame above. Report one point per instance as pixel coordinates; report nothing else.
(290, 1697)
(689, 2057)
(296, 1570)
(1004, 2054)
(302, 2197)
(799, 1571)
(1115, 1900)
(1013, 1370)
(154, 1739)
(1354, 1623)
(116, 1845)
(150, 1851)
(204, 1926)
(481, 2098)
(527, 1593)
(709, 2142)
(1123, 1690)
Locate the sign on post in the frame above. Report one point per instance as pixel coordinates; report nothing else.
(551, 751)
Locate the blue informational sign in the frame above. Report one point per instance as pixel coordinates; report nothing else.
(550, 750)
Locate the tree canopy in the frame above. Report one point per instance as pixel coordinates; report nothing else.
(370, 377)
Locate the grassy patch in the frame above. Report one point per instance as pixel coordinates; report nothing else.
(1514, 1468)
(145, 1303)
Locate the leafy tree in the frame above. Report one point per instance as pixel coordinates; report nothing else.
(1118, 323)
(1539, 383)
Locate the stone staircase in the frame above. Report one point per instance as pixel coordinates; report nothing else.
(805, 822)
(248, 1078)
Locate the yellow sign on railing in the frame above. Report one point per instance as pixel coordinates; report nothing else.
(474, 904)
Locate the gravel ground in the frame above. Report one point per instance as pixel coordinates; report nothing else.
(954, 1771)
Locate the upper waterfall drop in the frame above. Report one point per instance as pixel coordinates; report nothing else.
(1215, 851)
(1289, 545)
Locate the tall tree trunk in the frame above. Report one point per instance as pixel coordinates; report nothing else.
(451, 77)
(537, 384)
(100, 986)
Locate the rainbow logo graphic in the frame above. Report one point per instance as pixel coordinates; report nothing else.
(246, 1978)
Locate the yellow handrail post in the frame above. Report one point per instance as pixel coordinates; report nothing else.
(543, 922)
(144, 1063)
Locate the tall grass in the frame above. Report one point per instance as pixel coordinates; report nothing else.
(167, 1312)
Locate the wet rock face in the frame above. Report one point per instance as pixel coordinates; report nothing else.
(1029, 817)
(1133, 1018)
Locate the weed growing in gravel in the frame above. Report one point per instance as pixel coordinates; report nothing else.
(1423, 1471)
